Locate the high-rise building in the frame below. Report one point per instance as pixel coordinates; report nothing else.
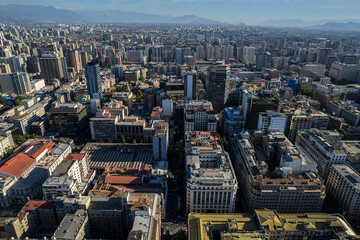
(53, 66)
(93, 80)
(160, 140)
(190, 85)
(231, 120)
(344, 186)
(18, 83)
(218, 91)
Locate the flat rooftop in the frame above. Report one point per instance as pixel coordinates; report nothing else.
(118, 155)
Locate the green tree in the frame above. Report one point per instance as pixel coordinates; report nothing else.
(142, 78)
(225, 143)
(126, 167)
(123, 139)
(170, 175)
(167, 235)
(180, 235)
(134, 142)
(18, 99)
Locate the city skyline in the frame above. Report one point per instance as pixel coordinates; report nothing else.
(251, 12)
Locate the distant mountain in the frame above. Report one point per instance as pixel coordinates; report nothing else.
(34, 13)
(349, 26)
(50, 14)
(302, 23)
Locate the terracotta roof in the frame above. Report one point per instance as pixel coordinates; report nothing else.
(75, 156)
(122, 179)
(17, 165)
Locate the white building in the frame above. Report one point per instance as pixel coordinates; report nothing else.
(160, 140)
(199, 116)
(211, 183)
(59, 186)
(324, 146)
(316, 68)
(168, 107)
(342, 71)
(270, 120)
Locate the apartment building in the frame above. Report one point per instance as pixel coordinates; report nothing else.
(324, 146)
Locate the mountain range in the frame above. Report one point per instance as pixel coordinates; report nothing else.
(345, 25)
(40, 14)
(48, 14)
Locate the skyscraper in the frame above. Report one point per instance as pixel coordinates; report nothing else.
(218, 91)
(18, 83)
(93, 80)
(190, 85)
(53, 66)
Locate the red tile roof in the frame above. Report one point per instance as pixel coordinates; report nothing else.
(75, 156)
(17, 165)
(122, 179)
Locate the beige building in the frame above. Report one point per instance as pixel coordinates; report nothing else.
(292, 187)
(211, 182)
(269, 224)
(324, 146)
(344, 185)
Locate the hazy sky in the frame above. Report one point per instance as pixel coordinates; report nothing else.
(248, 11)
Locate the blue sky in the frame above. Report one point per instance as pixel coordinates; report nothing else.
(248, 11)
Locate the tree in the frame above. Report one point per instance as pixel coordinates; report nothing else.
(126, 167)
(134, 142)
(180, 235)
(142, 78)
(225, 143)
(170, 175)
(167, 235)
(18, 99)
(123, 139)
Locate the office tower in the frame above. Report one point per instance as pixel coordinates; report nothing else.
(324, 146)
(254, 104)
(190, 85)
(199, 116)
(18, 83)
(248, 55)
(344, 186)
(286, 182)
(322, 54)
(68, 118)
(211, 182)
(218, 91)
(93, 80)
(160, 140)
(231, 121)
(73, 60)
(53, 66)
(263, 60)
